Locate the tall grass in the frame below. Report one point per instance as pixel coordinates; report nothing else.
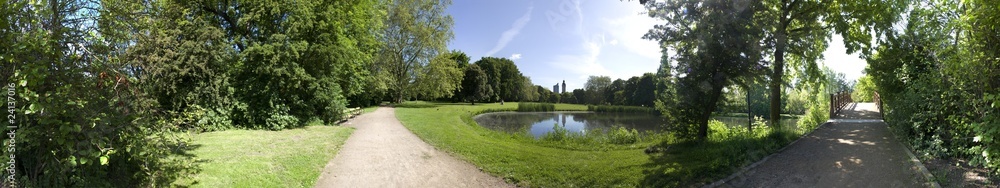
(621, 109)
(535, 107)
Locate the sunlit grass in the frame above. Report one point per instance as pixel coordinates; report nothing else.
(524, 161)
(260, 158)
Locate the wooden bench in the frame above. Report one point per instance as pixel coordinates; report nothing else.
(352, 112)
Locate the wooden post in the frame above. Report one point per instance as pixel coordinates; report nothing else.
(833, 102)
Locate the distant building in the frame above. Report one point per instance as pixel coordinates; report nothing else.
(564, 86)
(555, 88)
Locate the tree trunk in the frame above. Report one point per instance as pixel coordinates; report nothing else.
(777, 75)
(718, 81)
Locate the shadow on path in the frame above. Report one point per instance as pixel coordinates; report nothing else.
(853, 150)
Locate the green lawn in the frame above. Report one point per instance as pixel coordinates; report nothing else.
(259, 158)
(526, 162)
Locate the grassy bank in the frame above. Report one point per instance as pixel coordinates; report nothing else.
(528, 162)
(258, 158)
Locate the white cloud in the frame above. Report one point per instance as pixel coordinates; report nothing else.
(514, 30)
(515, 56)
(628, 31)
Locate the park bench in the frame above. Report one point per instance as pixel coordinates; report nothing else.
(352, 112)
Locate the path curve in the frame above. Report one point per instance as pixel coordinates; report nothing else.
(854, 150)
(383, 153)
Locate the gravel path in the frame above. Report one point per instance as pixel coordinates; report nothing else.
(855, 150)
(383, 153)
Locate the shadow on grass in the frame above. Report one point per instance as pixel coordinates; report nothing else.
(183, 151)
(696, 163)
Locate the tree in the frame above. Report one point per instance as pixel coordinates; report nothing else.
(645, 91)
(579, 96)
(716, 43)
(438, 79)
(416, 31)
(475, 86)
(800, 28)
(596, 87)
(614, 94)
(505, 79)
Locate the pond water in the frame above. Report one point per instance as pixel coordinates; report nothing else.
(539, 123)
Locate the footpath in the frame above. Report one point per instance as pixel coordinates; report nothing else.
(383, 153)
(854, 149)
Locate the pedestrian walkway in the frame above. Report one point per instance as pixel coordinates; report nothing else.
(383, 153)
(854, 149)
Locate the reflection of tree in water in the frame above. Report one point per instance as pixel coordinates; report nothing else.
(522, 121)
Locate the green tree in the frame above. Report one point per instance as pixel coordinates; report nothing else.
(864, 90)
(505, 79)
(441, 78)
(614, 94)
(596, 88)
(645, 91)
(716, 43)
(416, 31)
(475, 86)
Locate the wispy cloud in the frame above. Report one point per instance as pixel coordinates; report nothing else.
(515, 56)
(512, 32)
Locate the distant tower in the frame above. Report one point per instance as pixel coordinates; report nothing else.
(564, 86)
(555, 88)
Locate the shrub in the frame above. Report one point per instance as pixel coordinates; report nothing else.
(558, 134)
(622, 135)
(535, 107)
(621, 109)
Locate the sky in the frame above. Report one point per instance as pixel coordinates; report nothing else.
(555, 40)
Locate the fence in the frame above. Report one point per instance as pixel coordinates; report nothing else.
(838, 101)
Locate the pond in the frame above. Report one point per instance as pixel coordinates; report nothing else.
(539, 123)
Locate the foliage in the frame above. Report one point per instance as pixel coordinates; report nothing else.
(535, 107)
(154, 69)
(621, 109)
(596, 89)
(864, 90)
(474, 85)
(504, 79)
(416, 31)
(441, 78)
(938, 80)
(714, 47)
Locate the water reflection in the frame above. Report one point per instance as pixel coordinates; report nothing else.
(539, 123)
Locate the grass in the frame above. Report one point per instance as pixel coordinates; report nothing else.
(260, 158)
(528, 162)
(369, 109)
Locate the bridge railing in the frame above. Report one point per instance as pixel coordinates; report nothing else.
(838, 101)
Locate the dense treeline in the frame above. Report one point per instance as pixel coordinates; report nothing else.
(102, 89)
(939, 78)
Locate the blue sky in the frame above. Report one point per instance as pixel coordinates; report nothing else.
(555, 40)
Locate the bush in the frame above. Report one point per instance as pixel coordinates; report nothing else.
(622, 135)
(535, 107)
(621, 109)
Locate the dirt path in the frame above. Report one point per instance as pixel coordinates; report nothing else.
(383, 153)
(856, 150)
